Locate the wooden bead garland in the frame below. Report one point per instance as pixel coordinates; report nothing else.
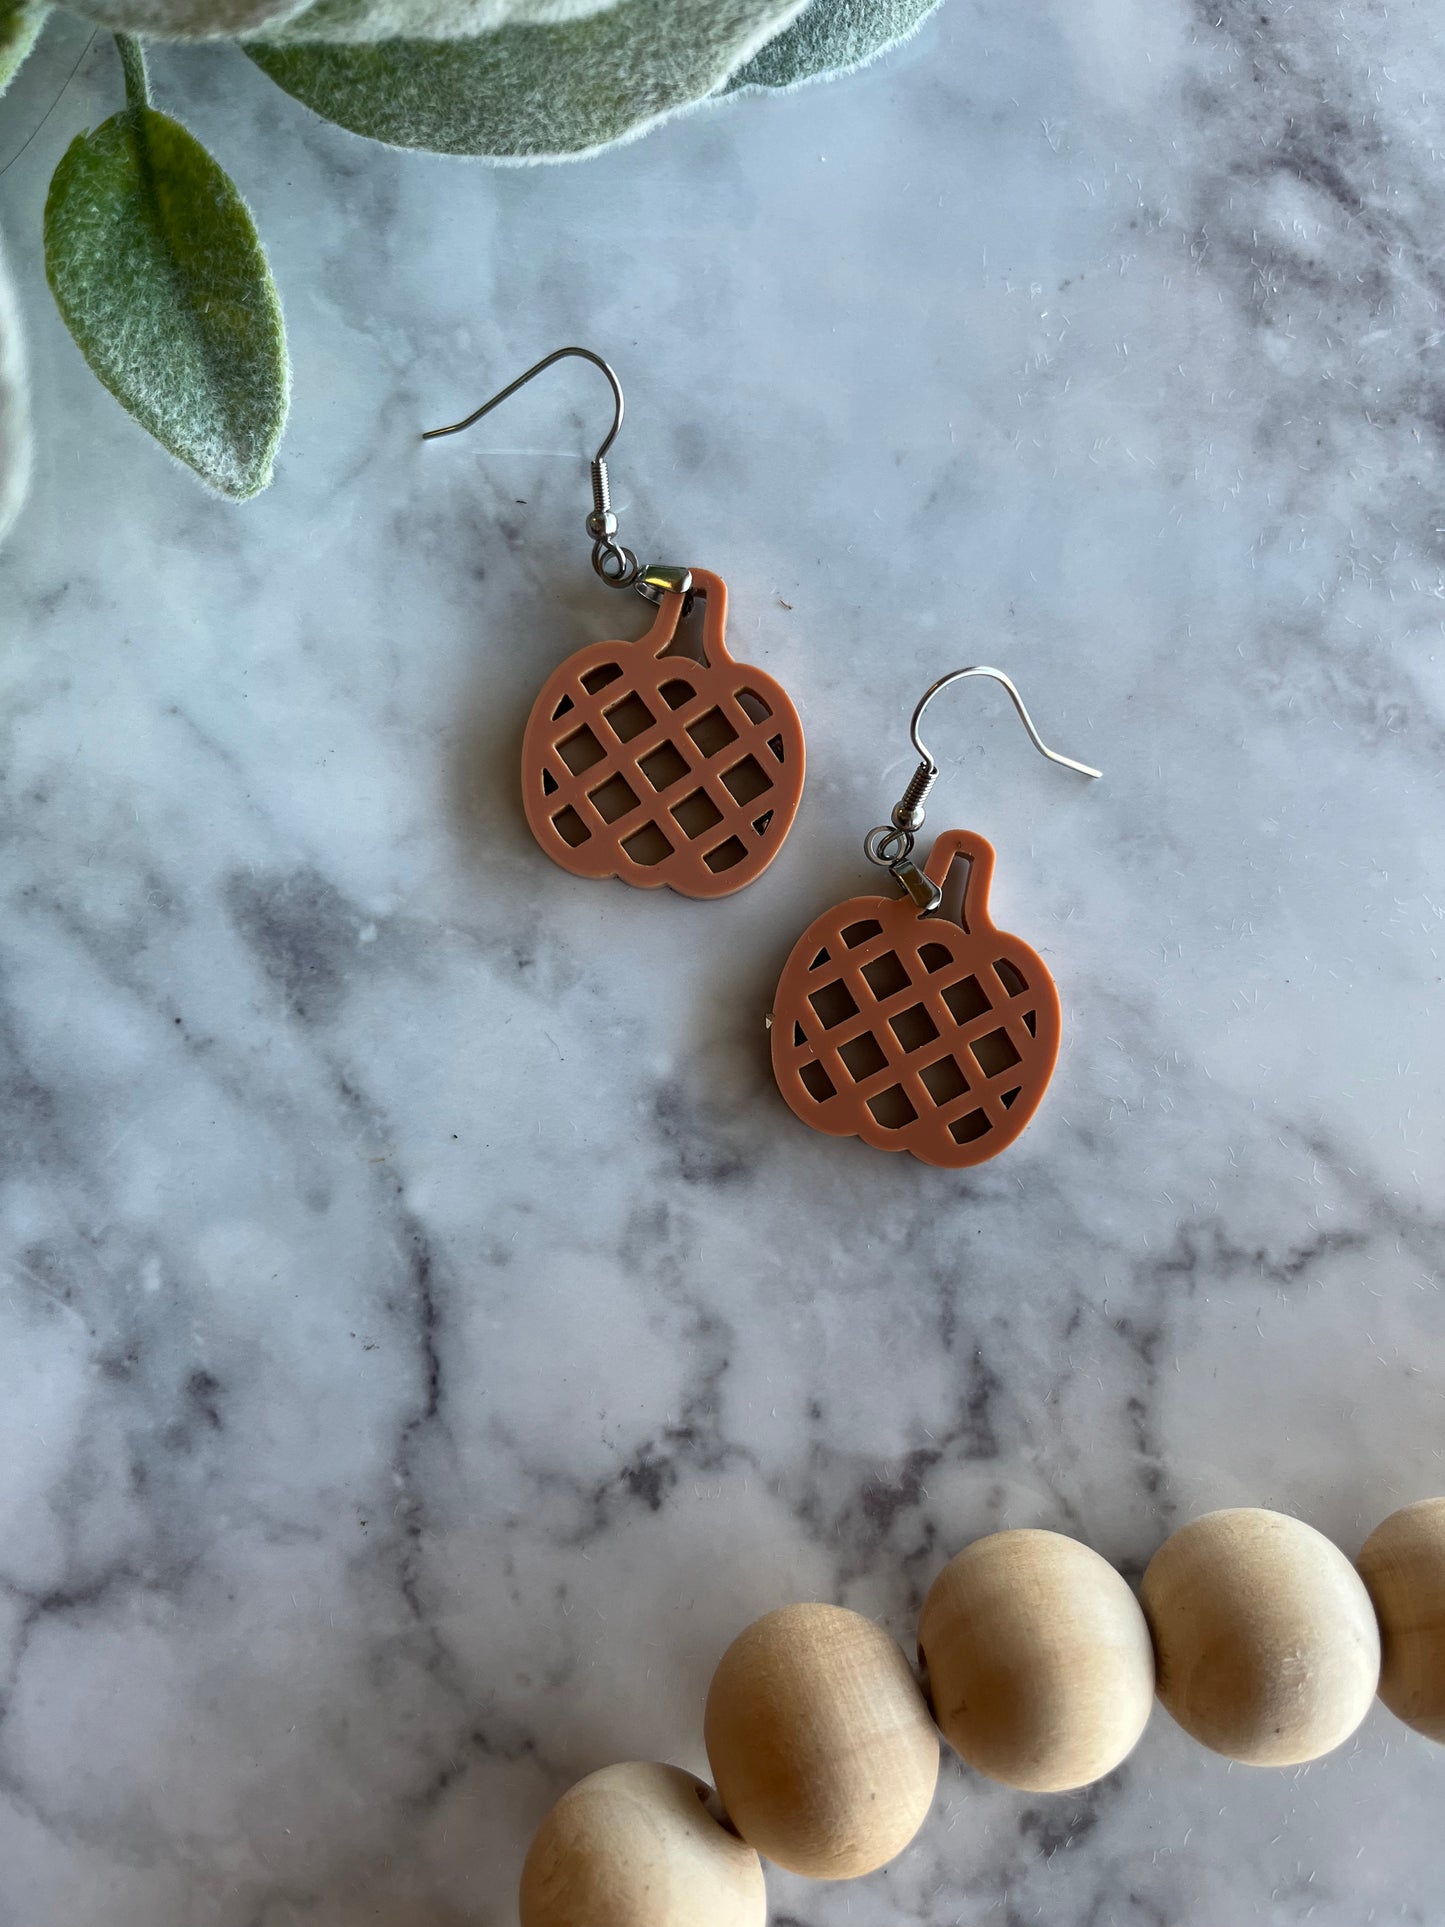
(635, 1846)
(1403, 1566)
(1266, 1646)
(1039, 1661)
(1265, 1638)
(820, 1742)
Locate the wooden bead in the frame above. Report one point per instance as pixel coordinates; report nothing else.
(1264, 1636)
(635, 1846)
(821, 1744)
(1039, 1660)
(1403, 1565)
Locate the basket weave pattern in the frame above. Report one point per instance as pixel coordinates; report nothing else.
(913, 1032)
(661, 770)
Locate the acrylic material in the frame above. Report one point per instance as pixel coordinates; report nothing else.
(917, 1033)
(657, 769)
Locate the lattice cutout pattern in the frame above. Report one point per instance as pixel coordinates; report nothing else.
(661, 770)
(916, 1033)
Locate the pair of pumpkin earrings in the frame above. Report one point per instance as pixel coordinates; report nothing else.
(894, 1021)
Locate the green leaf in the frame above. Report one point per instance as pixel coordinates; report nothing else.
(831, 37)
(362, 20)
(156, 267)
(329, 19)
(14, 414)
(530, 93)
(20, 22)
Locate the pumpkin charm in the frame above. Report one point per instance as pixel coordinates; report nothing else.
(658, 769)
(913, 1032)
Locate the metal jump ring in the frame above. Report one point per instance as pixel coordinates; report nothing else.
(616, 565)
(888, 845)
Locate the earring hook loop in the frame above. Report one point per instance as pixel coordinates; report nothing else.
(1007, 683)
(890, 845)
(505, 394)
(618, 566)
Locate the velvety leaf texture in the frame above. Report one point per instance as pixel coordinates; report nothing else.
(365, 20)
(830, 37)
(157, 270)
(330, 19)
(531, 93)
(14, 415)
(20, 22)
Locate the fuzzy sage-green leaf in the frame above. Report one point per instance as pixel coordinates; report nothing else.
(157, 270)
(832, 37)
(357, 20)
(20, 23)
(328, 19)
(530, 93)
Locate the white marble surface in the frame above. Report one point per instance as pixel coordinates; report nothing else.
(425, 1336)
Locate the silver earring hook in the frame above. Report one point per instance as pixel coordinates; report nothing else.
(890, 845)
(617, 566)
(505, 394)
(927, 760)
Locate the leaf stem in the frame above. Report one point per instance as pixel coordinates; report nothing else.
(133, 66)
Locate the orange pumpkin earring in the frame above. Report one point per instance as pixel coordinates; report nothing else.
(899, 1024)
(640, 762)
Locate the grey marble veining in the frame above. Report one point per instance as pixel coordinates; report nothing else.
(426, 1336)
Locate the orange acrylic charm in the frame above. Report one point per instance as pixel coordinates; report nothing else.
(658, 769)
(913, 1032)
(910, 1027)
